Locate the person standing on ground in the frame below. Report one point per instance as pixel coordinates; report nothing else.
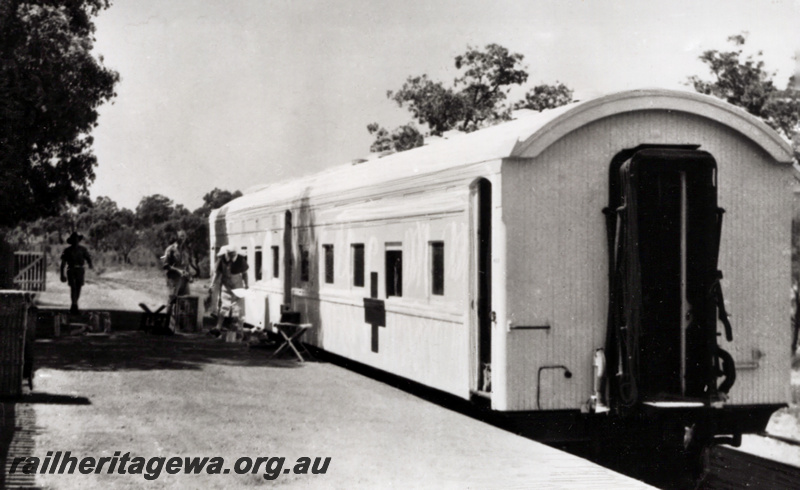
(230, 273)
(176, 263)
(74, 259)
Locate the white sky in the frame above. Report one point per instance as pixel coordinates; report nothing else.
(235, 93)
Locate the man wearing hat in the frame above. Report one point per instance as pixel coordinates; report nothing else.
(176, 265)
(230, 273)
(74, 259)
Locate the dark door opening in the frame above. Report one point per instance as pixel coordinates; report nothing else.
(664, 265)
(287, 260)
(482, 280)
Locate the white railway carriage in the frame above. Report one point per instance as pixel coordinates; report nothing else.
(563, 261)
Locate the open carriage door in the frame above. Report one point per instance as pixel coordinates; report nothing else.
(665, 279)
(481, 285)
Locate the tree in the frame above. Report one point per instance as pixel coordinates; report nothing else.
(403, 138)
(196, 226)
(476, 99)
(216, 199)
(476, 96)
(99, 221)
(486, 78)
(543, 97)
(158, 219)
(743, 81)
(50, 88)
(154, 210)
(123, 241)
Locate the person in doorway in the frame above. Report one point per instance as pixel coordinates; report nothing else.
(74, 259)
(176, 264)
(230, 275)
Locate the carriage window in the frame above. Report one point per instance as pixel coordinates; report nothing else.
(259, 264)
(437, 268)
(358, 264)
(394, 270)
(276, 265)
(328, 263)
(304, 264)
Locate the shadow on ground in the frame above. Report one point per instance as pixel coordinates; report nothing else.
(137, 350)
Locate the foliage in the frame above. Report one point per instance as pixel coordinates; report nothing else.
(216, 199)
(158, 221)
(486, 76)
(197, 244)
(476, 96)
(543, 97)
(743, 81)
(50, 89)
(101, 221)
(476, 99)
(123, 233)
(430, 103)
(403, 138)
(154, 210)
(123, 241)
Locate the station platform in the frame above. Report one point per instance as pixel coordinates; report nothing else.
(190, 395)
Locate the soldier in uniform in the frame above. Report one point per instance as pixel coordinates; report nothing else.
(176, 264)
(74, 259)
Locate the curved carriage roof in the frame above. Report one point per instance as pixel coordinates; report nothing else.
(527, 136)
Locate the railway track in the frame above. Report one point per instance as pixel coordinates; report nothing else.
(730, 468)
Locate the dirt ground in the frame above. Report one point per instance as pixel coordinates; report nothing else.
(120, 289)
(195, 396)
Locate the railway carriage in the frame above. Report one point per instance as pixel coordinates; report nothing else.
(566, 262)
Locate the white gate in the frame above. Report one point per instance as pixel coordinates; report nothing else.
(30, 271)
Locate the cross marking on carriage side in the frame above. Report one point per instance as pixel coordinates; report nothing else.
(374, 311)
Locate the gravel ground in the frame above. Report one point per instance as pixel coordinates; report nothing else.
(194, 396)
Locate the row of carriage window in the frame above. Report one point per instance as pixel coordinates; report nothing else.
(393, 264)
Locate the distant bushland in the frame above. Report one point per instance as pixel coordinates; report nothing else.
(120, 238)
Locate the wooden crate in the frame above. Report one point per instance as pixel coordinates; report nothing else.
(155, 323)
(188, 314)
(13, 324)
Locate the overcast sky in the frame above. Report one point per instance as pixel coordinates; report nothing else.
(236, 93)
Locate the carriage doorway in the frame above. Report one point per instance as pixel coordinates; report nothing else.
(664, 289)
(481, 285)
(287, 260)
